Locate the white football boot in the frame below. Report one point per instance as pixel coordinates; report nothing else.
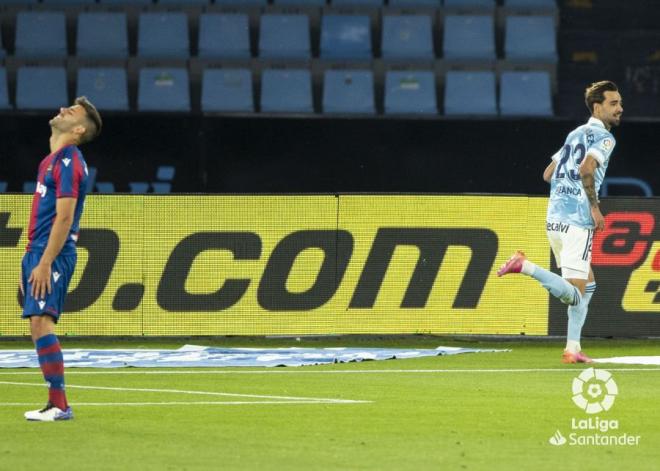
(50, 413)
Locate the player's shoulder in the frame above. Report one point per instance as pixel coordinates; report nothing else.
(68, 153)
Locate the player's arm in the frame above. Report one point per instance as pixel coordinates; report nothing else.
(587, 169)
(549, 170)
(40, 276)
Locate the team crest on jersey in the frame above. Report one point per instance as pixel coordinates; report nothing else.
(50, 167)
(607, 144)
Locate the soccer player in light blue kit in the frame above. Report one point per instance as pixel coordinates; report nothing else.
(575, 175)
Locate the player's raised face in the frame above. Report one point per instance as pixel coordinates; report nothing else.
(68, 118)
(610, 110)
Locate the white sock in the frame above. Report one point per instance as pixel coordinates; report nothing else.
(528, 268)
(573, 346)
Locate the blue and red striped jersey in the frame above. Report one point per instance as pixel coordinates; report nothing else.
(61, 174)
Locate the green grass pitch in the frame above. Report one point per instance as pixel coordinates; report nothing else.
(490, 411)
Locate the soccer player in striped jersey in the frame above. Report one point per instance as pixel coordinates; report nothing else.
(50, 256)
(575, 175)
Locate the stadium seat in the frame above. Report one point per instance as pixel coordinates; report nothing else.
(348, 91)
(102, 35)
(126, 2)
(533, 5)
(163, 89)
(525, 94)
(415, 3)
(470, 93)
(345, 37)
(287, 90)
(41, 88)
(284, 37)
(69, 2)
(357, 3)
(161, 187)
(184, 3)
(530, 38)
(227, 90)
(469, 37)
(138, 187)
(4, 92)
(407, 37)
(29, 186)
(40, 34)
(470, 5)
(165, 173)
(163, 35)
(3, 186)
(410, 92)
(105, 187)
(224, 36)
(105, 87)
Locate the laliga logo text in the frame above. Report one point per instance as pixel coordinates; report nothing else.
(594, 391)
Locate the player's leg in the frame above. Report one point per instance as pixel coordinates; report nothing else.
(559, 287)
(43, 315)
(576, 318)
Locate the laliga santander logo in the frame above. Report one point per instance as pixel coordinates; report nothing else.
(594, 391)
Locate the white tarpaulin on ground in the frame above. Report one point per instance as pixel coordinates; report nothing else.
(630, 360)
(192, 355)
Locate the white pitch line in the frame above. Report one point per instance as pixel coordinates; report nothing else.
(168, 403)
(71, 371)
(201, 393)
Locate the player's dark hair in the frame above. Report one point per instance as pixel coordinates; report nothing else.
(595, 93)
(94, 122)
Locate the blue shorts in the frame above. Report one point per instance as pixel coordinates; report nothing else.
(61, 273)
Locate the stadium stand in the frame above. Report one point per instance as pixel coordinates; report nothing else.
(106, 87)
(525, 94)
(3, 186)
(224, 36)
(4, 91)
(470, 93)
(41, 88)
(163, 35)
(40, 34)
(284, 37)
(530, 38)
(469, 38)
(348, 91)
(346, 37)
(227, 90)
(407, 37)
(163, 89)
(102, 35)
(410, 92)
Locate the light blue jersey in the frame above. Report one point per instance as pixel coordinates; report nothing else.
(568, 202)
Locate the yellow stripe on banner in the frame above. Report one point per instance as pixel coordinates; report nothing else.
(257, 265)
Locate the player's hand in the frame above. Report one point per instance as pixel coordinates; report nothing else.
(40, 280)
(20, 282)
(599, 220)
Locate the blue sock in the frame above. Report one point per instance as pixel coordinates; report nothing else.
(51, 362)
(578, 314)
(557, 286)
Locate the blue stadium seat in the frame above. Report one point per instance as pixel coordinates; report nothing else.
(29, 186)
(288, 90)
(410, 92)
(416, 3)
(41, 88)
(3, 186)
(163, 35)
(224, 36)
(138, 187)
(40, 34)
(20, 2)
(469, 37)
(161, 187)
(105, 87)
(165, 173)
(284, 37)
(163, 89)
(102, 35)
(105, 187)
(470, 93)
(4, 92)
(471, 5)
(348, 91)
(345, 37)
(530, 38)
(303, 3)
(525, 94)
(535, 5)
(227, 90)
(407, 37)
(357, 3)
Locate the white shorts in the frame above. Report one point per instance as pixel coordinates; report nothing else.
(571, 247)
